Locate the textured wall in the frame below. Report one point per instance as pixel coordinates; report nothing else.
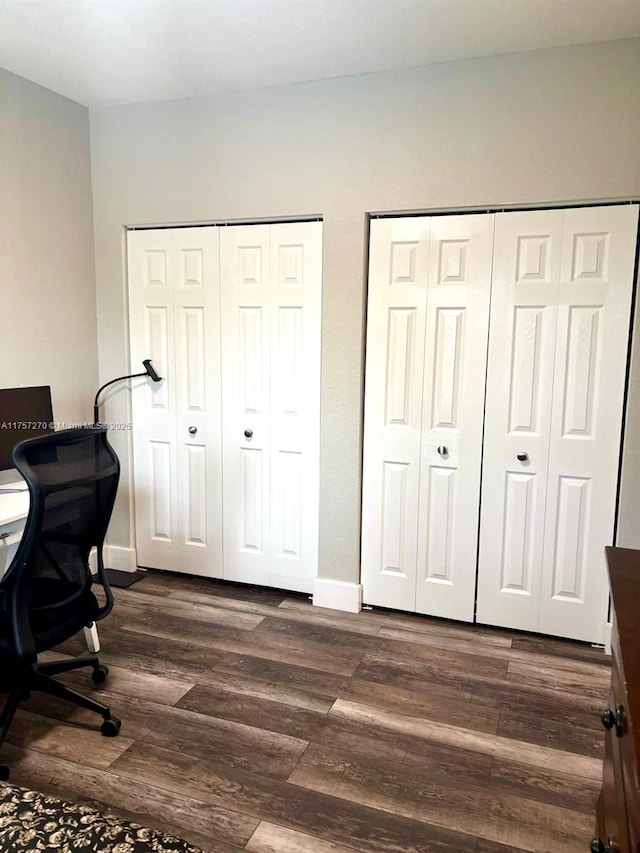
(48, 326)
(545, 127)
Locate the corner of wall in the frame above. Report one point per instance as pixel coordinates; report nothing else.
(337, 595)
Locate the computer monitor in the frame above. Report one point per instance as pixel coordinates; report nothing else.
(24, 413)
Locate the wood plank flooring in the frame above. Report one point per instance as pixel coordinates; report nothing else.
(254, 721)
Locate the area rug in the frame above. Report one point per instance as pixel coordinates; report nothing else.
(33, 822)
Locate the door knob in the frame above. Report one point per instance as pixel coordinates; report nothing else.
(442, 450)
(522, 456)
(193, 430)
(248, 433)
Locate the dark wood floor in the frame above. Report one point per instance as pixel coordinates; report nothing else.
(254, 721)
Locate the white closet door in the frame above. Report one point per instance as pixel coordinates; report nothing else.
(427, 320)
(596, 283)
(174, 318)
(197, 399)
(151, 270)
(457, 322)
(245, 270)
(557, 358)
(271, 304)
(296, 294)
(522, 343)
(398, 262)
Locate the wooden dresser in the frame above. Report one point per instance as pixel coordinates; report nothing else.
(618, 814)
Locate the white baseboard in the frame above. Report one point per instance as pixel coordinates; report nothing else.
(122, 559)
(337, 595)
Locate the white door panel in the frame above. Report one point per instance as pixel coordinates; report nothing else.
(398, 268)
(271, 402)
(151, 307)
(173, 300)
(522, 342)
(457, 321)
(244, 311)
(296, 290)
(595, 291)
(197, 399)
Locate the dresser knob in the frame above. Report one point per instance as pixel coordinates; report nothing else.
(598, 846)
(613, 719)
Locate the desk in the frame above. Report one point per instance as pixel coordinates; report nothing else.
(14, 508)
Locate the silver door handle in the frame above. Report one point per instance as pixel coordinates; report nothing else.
(193, 430)
(522, 456)
(442, 450)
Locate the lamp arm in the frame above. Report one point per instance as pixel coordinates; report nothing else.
(96, 413)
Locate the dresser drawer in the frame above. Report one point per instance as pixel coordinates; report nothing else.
(623, 735)
(614, 806)
(618, 812)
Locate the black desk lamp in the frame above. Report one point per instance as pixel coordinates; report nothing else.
(149, 370)
(116, 577)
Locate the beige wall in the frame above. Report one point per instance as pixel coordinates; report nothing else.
(544, 127)
(48, 323)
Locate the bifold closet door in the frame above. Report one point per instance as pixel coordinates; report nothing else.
(427, 321)
(563, 283)
(396, 318)
(522, 346)
(174, 320)
(270, 333)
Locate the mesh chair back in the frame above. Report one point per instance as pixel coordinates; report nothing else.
(72, 477)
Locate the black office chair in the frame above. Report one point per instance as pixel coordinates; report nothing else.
(46, 593)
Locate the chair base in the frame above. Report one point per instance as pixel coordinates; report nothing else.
(40, 677)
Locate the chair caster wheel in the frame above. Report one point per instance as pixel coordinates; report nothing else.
(100, 673)
(110, 727)
(4, 772)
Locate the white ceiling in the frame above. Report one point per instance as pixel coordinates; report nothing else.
(101, 52)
